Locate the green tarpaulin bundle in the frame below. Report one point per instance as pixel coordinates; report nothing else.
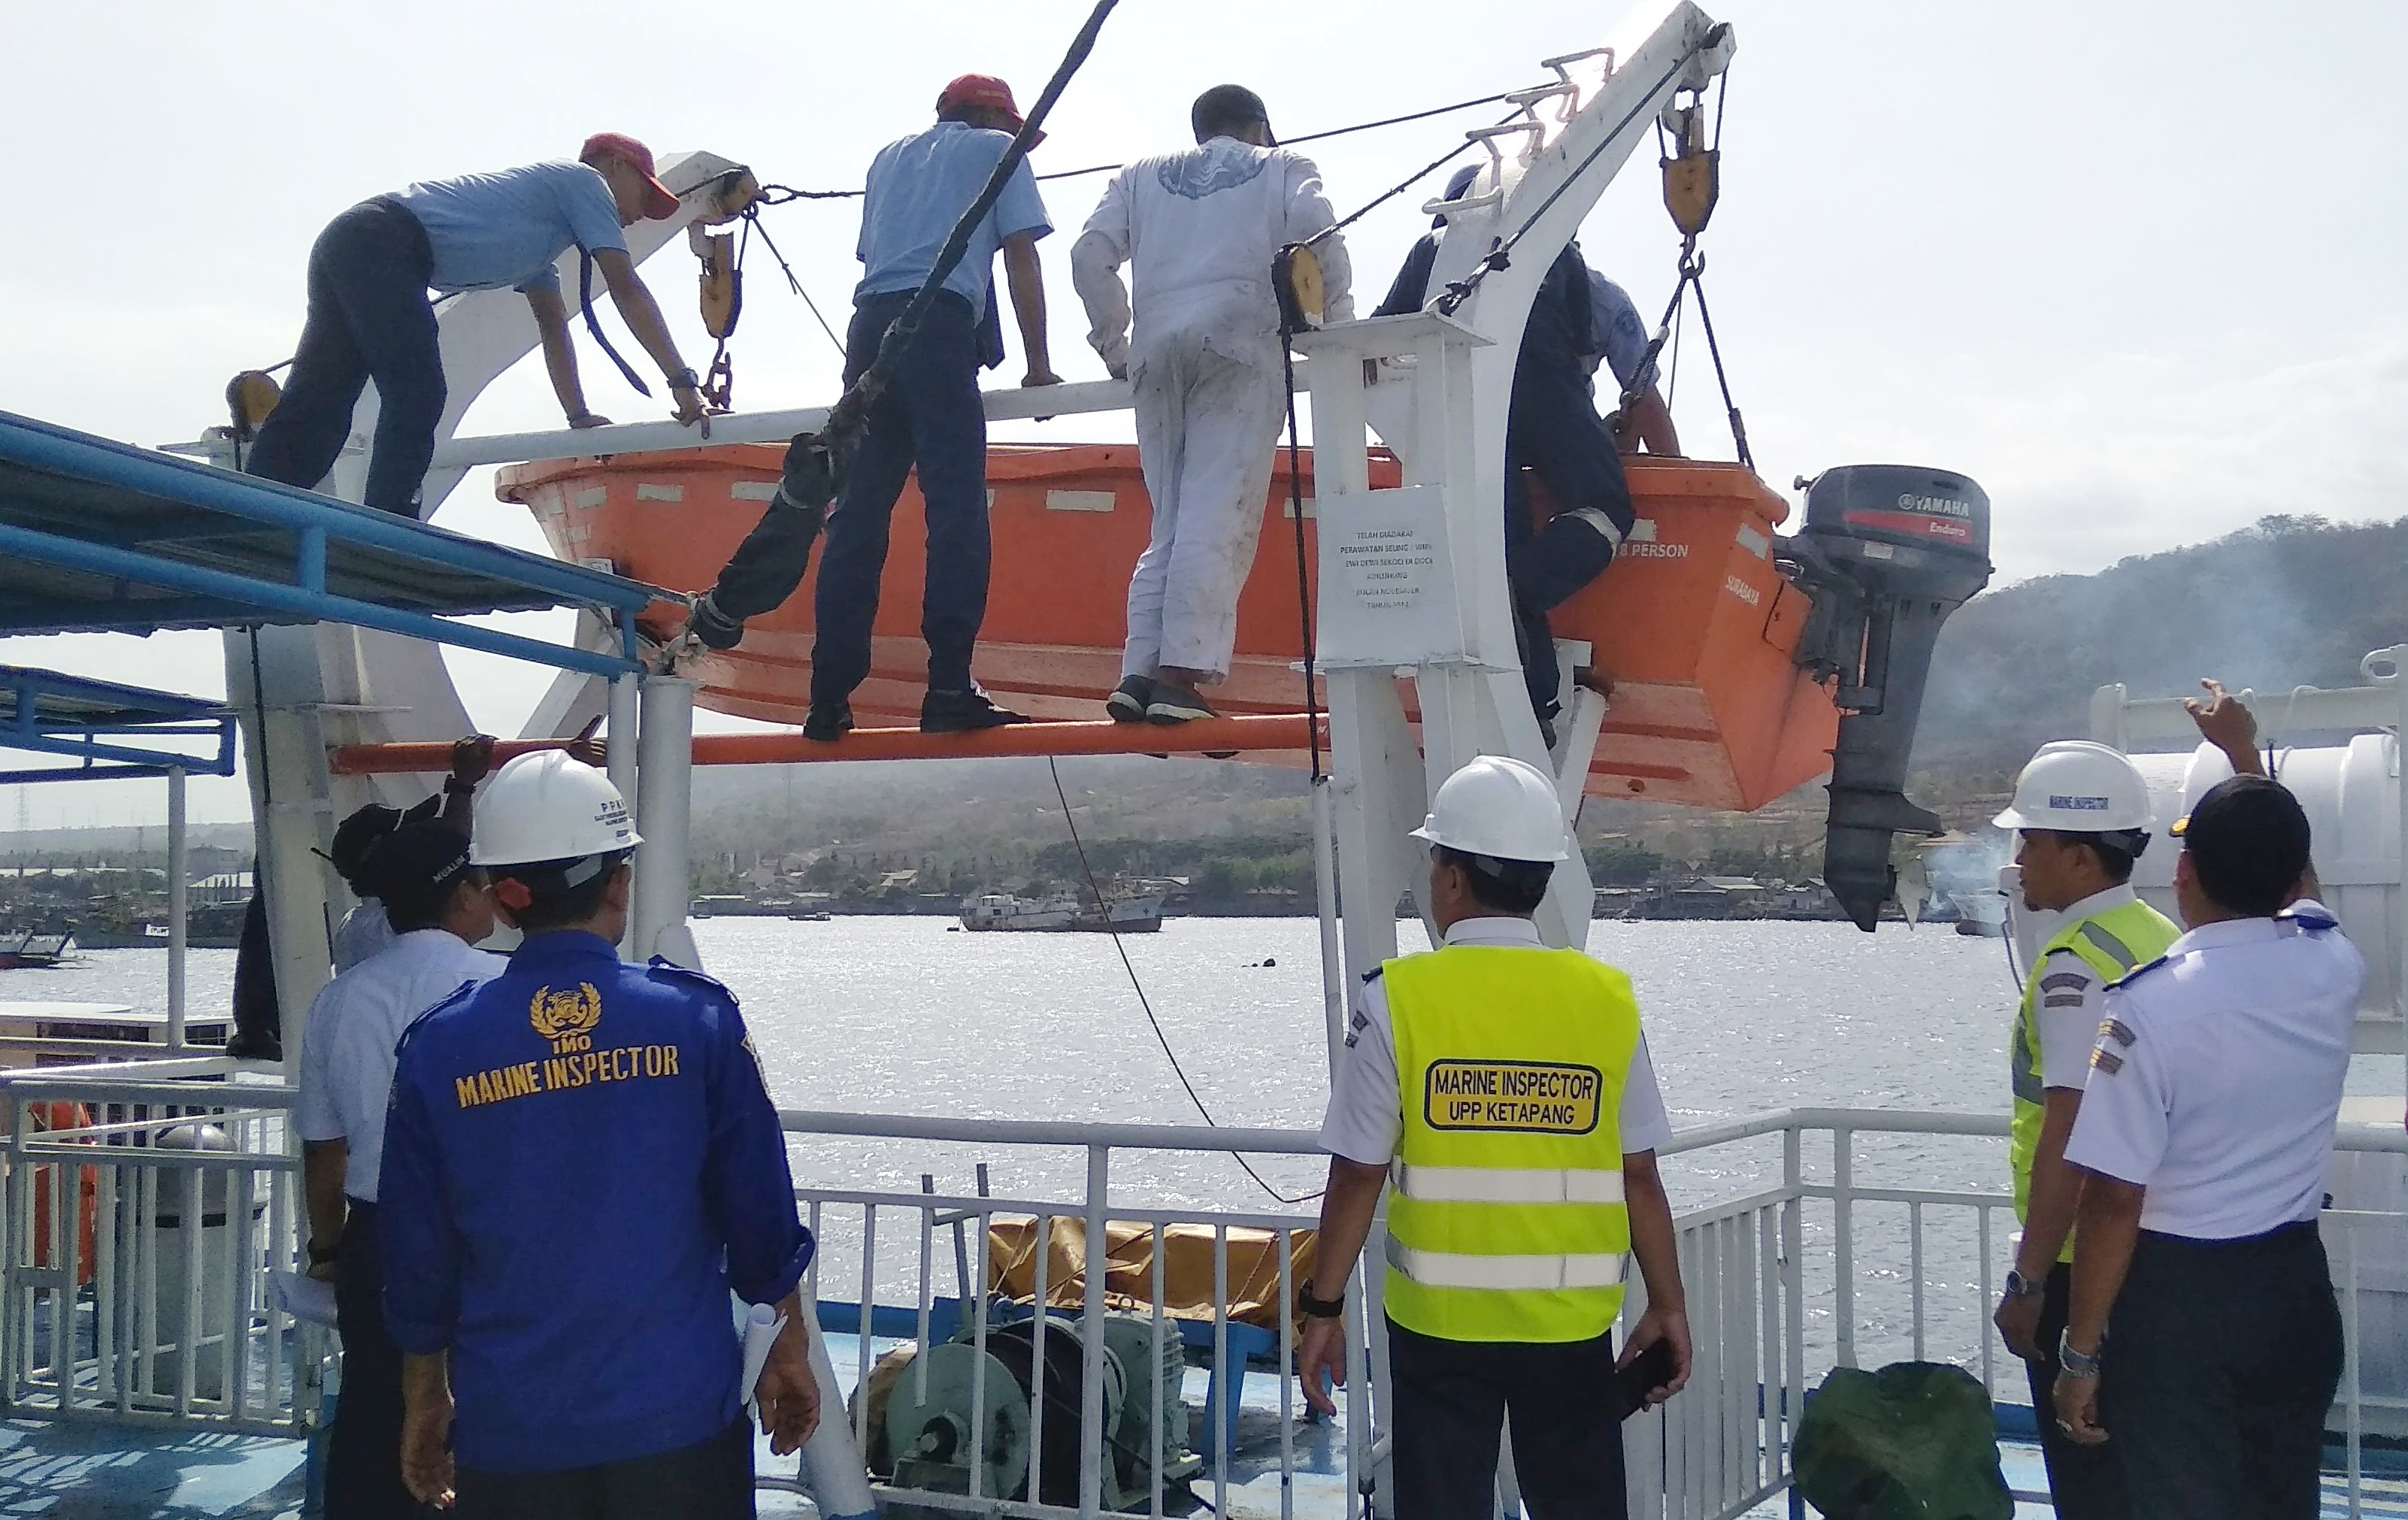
(1912, 1442)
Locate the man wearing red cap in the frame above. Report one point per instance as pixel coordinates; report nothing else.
(930, 416)
(370, 318)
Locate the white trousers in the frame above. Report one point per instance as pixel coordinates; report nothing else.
(1209, 411)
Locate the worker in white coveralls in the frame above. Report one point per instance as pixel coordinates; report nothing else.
(1200, 229)
(1501, 1090)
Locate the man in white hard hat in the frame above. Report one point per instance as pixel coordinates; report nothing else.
(1200, 230)
(580, 1162)
(1506, 1088)
(2082, 817)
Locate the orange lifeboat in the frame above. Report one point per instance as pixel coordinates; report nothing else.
(1693, 624)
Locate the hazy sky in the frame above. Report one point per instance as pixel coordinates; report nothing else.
(2135, 267)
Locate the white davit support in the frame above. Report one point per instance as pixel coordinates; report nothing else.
(1413, 579)
(2339, 753)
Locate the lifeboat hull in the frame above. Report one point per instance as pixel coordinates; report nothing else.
(1693, 624)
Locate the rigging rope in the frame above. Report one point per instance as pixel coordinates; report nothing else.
(1087, 870)
(781, 194)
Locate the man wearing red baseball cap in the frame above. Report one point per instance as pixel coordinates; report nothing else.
(931, 416)
(370, 317)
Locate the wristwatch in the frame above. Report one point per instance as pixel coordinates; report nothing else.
(2020, 1286)
(685, 380)
(1312, 1308)
(321, 1255)
(2074, 1364)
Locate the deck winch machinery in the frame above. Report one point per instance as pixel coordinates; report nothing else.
(930, 1423)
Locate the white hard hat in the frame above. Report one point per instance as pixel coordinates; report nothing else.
(546, 805)
(1497, 807)
(2075, 786)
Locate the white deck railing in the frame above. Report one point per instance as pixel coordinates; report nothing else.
(1809, 1239)
(143, 1216)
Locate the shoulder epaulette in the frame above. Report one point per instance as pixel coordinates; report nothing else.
(2309, 921)
(1373, 974)
(2137, 972)
(662, 966)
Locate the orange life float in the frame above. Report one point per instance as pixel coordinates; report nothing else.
(1693, 622)
(61, 1115)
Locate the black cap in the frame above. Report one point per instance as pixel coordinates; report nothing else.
(1456, 184)
(2248, 842)
(358, 834)
(412, 867)
(1226, 107)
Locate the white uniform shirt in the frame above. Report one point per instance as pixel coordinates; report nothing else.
(347, 1053)
(1366, 1113)
(1200, 229)
(2217, 1078)
(2073, 1001)
(365, 931)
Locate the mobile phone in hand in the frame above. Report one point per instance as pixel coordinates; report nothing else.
(1651, 1370)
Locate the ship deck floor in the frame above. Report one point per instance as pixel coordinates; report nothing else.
(84, 1471)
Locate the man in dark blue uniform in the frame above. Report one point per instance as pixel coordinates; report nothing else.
(1554, 428)
(580, 1162)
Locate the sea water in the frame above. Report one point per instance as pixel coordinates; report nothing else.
(907, 1015)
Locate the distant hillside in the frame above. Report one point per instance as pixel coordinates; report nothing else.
(2295, 600)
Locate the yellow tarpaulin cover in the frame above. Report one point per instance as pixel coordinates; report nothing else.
(1128, 1274)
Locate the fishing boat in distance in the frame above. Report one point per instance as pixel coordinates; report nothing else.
(1113, 910)
(23, 948)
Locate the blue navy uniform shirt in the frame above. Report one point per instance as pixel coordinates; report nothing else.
(1555, 340)
(580, 1162)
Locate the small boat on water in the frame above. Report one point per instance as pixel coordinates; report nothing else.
(23, 948)
(1066, 912)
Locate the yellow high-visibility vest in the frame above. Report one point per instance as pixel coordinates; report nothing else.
(1506, 1219)
(2112, 945)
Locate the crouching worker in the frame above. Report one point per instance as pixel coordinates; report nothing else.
(580, 1162)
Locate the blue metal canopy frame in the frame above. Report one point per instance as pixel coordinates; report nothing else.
(99, 535)
(47, 712)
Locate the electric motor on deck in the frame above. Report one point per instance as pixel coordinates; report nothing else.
(974, 1407)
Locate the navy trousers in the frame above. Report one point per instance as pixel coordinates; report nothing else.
(930, 417)
(2084, 1483)
(1554, 429)
(1453, 1398)
(363, 1451)
(2222, 1357)
(369, 320)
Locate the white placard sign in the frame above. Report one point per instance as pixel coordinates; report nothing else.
(1387, 583)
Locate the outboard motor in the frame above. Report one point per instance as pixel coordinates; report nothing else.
(1887, 552)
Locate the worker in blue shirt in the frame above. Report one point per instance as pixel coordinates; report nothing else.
(1551, 428)
(930, 416)
(580, 1162)
(370, 317)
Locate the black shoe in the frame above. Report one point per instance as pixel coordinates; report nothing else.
(962, 712)
(827, 723)
(714, 628)
(1128, 699)
(1174, 703)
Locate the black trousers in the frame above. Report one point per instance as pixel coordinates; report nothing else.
(2086, 1483)
(369, 320)
(2222, 1357)
(1552, 427)
(1453, 1400)
(364, 1450)
(711, 1480)
(931, 417)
